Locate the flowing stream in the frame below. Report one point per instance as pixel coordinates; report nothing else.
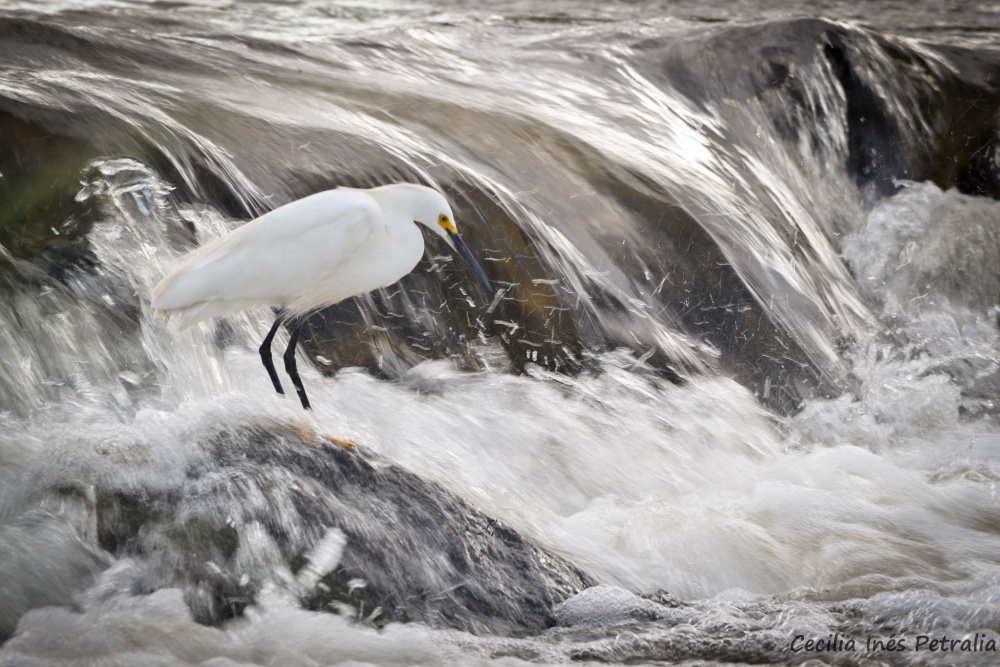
(740, 375)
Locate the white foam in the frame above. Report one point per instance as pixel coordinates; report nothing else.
(157, 629)
(925, 249)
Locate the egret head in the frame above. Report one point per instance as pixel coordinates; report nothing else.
(436, 215)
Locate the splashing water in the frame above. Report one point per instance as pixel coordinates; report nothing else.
(870, 509)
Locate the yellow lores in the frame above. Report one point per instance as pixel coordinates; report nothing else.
(448, 225)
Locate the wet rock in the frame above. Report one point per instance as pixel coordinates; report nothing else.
(39, 177)
(606, 606)
(264, 496)
(908, 112)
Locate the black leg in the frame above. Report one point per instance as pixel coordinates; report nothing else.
(265, 355)
(290, 362)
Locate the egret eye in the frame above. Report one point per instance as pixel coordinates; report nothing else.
(446, 223)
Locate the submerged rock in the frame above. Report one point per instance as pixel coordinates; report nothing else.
(264, 496)
(604, 606)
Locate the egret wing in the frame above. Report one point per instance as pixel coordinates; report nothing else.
(281, 257)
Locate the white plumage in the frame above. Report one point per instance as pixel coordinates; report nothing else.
(310, 253)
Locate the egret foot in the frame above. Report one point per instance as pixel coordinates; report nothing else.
(346, 444)
(304, 434)
(310, 438)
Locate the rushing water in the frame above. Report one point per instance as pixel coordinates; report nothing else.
(741, 369)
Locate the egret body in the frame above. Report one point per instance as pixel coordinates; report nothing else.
(311, 253)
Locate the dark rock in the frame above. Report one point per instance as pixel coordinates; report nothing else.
(39, 177)
(957, 104)
(423, 553)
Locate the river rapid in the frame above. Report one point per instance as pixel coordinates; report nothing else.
(734, 399)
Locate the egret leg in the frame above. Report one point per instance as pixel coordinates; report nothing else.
(290, 367)
(265, 356)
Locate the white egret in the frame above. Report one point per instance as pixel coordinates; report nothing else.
(310, 253)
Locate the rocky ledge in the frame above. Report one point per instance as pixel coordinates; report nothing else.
(262, 498)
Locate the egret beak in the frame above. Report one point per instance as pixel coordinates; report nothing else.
(463, 250)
